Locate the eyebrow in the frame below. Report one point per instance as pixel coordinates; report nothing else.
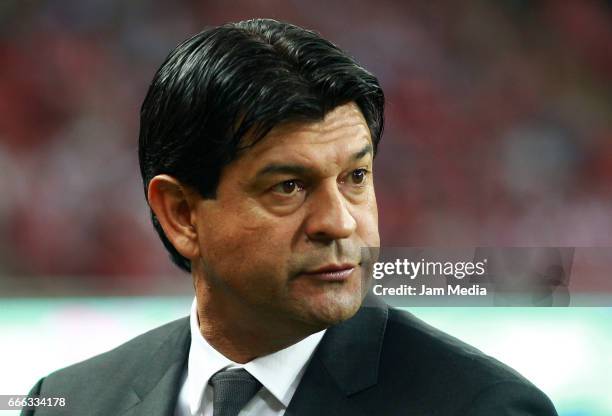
(367, 149)
(300, 170)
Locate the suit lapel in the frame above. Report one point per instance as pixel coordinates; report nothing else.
(345, 363)
(155, 391)
(318, 394)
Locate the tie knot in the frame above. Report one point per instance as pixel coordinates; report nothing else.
(232, 389)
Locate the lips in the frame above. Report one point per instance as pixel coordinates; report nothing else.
(332, 272)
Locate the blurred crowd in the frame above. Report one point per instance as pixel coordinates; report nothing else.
(498, 132)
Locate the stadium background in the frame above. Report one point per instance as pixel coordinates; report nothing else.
(499, 132)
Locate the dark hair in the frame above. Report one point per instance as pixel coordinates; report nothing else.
(242, 77)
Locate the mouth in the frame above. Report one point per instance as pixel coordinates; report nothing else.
(332, 272)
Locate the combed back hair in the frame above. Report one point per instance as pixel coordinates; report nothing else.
(239, 78)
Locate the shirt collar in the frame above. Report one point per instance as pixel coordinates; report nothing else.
(279, 372)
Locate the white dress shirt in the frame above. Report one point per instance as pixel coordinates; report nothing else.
(279, 373)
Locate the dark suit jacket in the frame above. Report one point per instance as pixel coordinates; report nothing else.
(380, 362)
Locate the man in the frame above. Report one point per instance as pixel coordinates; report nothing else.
(256, 149)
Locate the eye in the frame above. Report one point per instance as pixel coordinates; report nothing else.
(288, 188)
(358, 176)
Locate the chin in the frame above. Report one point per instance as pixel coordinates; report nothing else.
(332, 311)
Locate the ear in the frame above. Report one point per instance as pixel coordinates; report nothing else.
(172, 203)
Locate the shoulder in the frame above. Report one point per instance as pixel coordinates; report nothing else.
(426, 366)
(127, 355)
(408, 338)
(107, 377)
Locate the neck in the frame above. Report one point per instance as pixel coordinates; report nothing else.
(242, 333)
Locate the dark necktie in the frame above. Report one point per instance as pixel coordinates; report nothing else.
(232, 390)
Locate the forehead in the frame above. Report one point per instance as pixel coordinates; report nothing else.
(344, 129)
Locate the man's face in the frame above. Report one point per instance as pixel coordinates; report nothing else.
(283, 238)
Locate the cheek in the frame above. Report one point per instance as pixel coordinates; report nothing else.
(249, 250)
(367, 223)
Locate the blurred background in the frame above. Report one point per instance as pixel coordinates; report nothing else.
(498, 133)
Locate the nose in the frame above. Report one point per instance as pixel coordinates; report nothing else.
(329, 217)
